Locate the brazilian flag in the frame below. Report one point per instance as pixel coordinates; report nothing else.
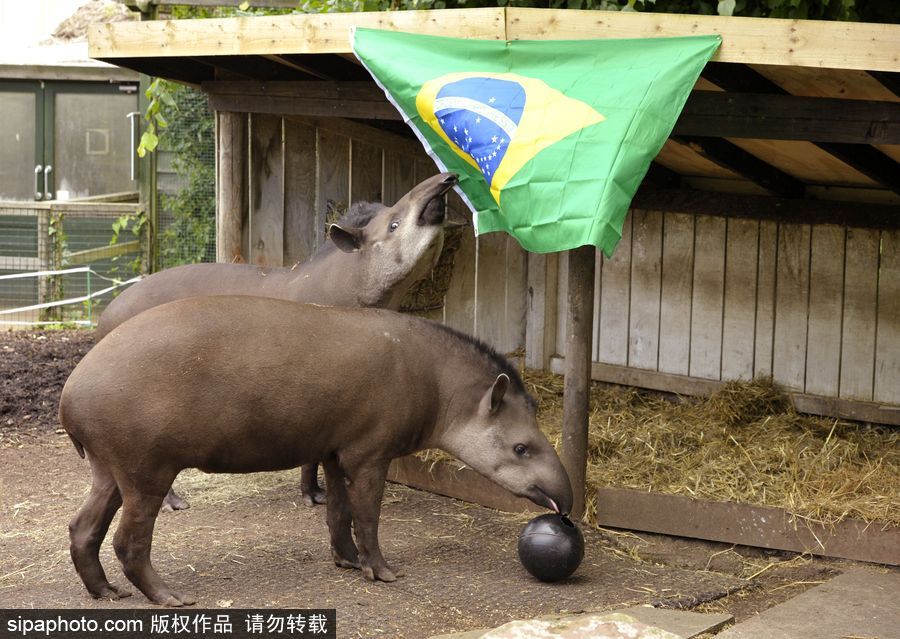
(551, 139)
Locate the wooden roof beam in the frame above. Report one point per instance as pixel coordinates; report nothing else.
(280, 35)
(736, 159)
(889, 80)
(785, 117)
(805, 43)
(707, 113)
(184, 71)
(254, 68)
(866, 159)
(331, 67)
(363, 100)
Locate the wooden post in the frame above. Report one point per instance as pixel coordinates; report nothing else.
(148, 195)
(576, 397)
(230, 181)
(43, 250)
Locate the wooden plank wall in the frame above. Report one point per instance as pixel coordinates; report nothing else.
(301, 172)
(690, 300)
(725, 298)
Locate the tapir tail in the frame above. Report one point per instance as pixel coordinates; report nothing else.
(63, 421)
(77, 445)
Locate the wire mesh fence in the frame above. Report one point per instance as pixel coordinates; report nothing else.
(57, 257)
(186, 181)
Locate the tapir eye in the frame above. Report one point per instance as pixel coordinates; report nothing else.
(394, 225)
(520, 449)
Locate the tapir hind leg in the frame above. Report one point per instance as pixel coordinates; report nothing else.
(338, 517)
(365, 489)
(88, 528)
(309, 485)
(173, 502)
(134, 538)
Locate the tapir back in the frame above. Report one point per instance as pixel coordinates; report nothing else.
(372, 265)
(192, 280)
(247, 384)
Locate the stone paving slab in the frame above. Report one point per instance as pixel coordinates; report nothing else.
(679, 622)
(639, 621)
(858, 603)
(583, 626)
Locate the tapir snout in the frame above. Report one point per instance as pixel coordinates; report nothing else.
(426, 198)
(553, 489)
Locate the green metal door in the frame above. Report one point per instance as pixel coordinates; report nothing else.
(21, 140)
(89, 143)
(66, 140)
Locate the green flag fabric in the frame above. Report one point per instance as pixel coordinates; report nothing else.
(551, 139)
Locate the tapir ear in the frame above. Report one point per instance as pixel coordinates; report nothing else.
(348, 239)
(494, 396)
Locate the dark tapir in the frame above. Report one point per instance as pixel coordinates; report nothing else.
(243, 384)
(382, 252)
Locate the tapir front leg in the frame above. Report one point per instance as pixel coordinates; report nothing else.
(365, 489)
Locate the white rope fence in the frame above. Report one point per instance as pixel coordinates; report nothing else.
(72, 300)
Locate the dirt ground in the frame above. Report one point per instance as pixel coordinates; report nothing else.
(247, 541)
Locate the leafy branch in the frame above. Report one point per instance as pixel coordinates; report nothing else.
(135, 222)
(160, 94)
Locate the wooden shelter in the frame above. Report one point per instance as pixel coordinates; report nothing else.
(764, 241)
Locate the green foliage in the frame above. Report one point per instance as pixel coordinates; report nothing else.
(865, 10)
(59, 249)
(136, 223)
(160, 95)
(191, 138)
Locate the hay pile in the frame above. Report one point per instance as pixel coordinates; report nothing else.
(744, 444)
(75, 27)
(428, 294)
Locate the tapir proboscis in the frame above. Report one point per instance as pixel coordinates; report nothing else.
(376, 254)
(241, 384)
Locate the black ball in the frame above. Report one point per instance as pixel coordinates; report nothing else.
(551, 547)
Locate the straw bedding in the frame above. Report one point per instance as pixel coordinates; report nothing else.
(743, 444)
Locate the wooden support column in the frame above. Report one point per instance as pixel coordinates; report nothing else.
(576, 398)
(148, 193)
(231, 197)
(43, 253)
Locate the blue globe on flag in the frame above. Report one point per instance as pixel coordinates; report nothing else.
(480, 116)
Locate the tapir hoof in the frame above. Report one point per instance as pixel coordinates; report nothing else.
(173, 502)
(175, 600)
(109, 591)
(346, 562)
(381, 573)
(313, 497)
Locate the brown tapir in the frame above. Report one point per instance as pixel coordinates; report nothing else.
(382, 252)
(242, 384)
